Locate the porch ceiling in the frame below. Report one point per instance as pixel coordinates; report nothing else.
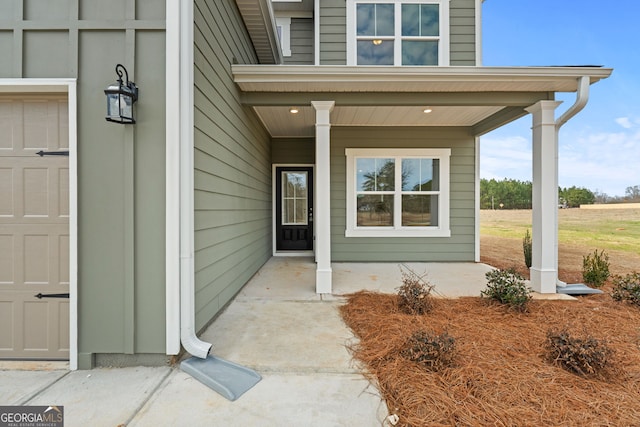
(482, 98)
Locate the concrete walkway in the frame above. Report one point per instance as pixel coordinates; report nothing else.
(278, 326)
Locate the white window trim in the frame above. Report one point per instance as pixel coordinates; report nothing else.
(441, 230)
(284, 22)
(443, 46)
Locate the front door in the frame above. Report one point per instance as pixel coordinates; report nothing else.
(34, 228)
(294, 208)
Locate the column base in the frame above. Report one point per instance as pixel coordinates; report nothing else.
(323, 281)
(543, 280)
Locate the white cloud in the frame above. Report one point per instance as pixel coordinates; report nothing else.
(505, 157)
(608, 162)
(625, 122)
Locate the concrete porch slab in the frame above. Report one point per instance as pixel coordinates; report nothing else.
(288, 279)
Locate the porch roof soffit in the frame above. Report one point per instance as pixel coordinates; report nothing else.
(480, 98)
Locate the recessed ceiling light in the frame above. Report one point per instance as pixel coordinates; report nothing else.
(427, 110)
(294, 110)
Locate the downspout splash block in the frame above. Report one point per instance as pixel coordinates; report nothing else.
(226, 378)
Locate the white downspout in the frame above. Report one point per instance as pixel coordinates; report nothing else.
(188, 337)
(581, 100)
(582, 97)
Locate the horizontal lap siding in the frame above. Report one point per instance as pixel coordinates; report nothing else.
(293, 150)
(232, 161)
(302, 52)
(333, 32)
(458, 247)
(462, 33)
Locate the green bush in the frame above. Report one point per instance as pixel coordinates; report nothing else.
(627, 288)
(415, 293)
(526, 247)
(432, 351)
(582, 355)
(507, 287)
(595, 268)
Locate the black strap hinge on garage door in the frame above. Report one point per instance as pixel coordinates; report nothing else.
(52, 153)
(41, 295)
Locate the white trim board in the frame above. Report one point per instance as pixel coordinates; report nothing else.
(172, 178)
(67, 86)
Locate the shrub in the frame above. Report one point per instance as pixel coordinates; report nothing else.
(595, 269)
(430, 350)
(582, 355)
(526, 247)
(507, 287)
(415, 293)
(627, 288)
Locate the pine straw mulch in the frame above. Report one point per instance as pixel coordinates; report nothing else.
(501, 375)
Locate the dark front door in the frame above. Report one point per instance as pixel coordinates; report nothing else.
(294, 208)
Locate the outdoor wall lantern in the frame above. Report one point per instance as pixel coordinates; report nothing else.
(120, 98)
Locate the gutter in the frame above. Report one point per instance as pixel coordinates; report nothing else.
(582, 97)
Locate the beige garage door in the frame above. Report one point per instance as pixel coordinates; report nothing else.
(34, 228)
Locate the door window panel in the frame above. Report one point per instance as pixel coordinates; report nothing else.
(294, 198)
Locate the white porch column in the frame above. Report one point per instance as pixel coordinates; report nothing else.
(544, 260)
(322, 214)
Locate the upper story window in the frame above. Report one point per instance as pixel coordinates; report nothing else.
(409, 32)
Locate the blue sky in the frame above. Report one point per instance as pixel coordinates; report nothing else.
(600, 147)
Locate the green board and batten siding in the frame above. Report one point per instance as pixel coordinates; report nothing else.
(232, 164)
(333, 30)
(458, 247)
(121, 223)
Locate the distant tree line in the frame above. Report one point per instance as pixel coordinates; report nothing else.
(505, 194)
(515, 194)
(631, 195)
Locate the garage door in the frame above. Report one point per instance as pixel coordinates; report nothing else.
(34, 228)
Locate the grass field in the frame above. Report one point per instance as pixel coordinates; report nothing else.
(580, 232)
(614, 230)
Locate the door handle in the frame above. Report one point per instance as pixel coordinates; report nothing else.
(41, 295)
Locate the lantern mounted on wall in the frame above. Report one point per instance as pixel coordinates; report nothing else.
(121, 96)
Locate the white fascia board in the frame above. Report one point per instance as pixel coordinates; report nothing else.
(309, 79)
(310, 73)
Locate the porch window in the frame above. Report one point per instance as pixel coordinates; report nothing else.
(401, 192)
(411, 32)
